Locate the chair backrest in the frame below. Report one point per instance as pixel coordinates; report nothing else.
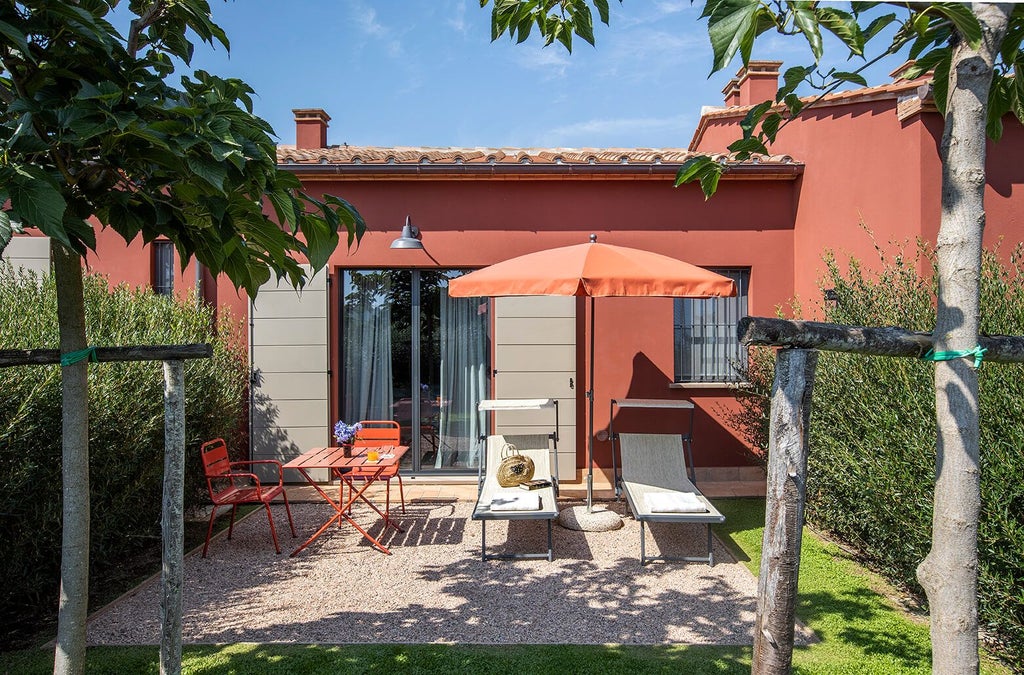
(537, 447)
(654, 459)
(376, 433)
(215, 458)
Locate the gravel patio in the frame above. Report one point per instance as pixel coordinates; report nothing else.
(435, 589)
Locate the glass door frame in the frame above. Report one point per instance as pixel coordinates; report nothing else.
(415, 367)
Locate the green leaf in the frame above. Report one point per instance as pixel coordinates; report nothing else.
(36, 201)
(844, 26)
(703, 169)
(1000, 102)
(927, 63)
(16, 37)
(6, 230)
(1018, 88)
(940, 83)
(602, 10)
(732, 26)
(583, 24)
(963, 18)
(349, 216)
(211, 172)
(794, 104)
(844, 76)
(321, 240)
(709, 181)
(770, 126)
(806, 21)
(745, 147)
(692, 169)
(792, 78)
(753, 117)
(878, 25)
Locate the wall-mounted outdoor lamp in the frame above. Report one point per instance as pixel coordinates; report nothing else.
(410, 237)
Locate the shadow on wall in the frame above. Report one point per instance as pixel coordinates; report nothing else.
(267, 439)
(714, 442)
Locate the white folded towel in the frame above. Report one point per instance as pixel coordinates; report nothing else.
(515, 500)
(674, 502)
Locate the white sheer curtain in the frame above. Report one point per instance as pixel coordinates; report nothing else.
(367, 333)
(464, 363)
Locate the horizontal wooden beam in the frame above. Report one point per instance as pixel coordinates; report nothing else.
(870, 341)
(44, 357)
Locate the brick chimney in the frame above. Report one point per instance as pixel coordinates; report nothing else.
(758, 81)
(310, 128)
(732, 92)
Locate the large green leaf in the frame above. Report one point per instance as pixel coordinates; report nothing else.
(806, 21)
(6, 230)
(963, 18)
(701, 168)
(16, 38)
(1000, 102)
(36, 201)
(732, 26)
(844, 26)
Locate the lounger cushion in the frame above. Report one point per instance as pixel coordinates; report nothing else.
(515, 500)
(674, 502)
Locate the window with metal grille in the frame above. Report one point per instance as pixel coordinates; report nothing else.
(163, 267)
(706, 346)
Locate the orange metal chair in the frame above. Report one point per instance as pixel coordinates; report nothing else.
(374, 434)
(231, 488)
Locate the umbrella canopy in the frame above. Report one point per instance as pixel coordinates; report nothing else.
(598, 271)
(595, 270)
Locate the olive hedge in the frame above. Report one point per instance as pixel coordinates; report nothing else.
(126, 433)
(872, 455)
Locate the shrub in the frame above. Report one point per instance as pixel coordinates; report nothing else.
(126, 434)
(871, 469)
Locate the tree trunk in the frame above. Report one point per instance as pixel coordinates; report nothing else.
(784, 511)
(69, 654)
(949, 573)
(172, 523)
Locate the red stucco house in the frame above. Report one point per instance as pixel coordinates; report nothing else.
(376, 336)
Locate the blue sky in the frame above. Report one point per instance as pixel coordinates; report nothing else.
(425, 73)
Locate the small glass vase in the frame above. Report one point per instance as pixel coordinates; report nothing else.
(346, 449)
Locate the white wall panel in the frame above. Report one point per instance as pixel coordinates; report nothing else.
(290, 363)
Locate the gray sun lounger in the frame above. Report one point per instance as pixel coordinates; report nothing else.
(655, 464)
(538, 448)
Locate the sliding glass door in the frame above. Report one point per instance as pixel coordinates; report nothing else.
(414, 355)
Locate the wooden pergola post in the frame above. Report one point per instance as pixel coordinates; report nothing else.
(172, 522)
(788, 451)
(784, 511)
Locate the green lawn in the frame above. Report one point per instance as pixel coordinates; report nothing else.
(859, 632)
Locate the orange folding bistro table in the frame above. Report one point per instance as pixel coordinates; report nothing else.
(339, 465)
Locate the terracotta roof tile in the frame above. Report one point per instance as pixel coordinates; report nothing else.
(891, 90)
(374, 155)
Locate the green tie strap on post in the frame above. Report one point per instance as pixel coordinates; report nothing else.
(978, 353)
(71, 358)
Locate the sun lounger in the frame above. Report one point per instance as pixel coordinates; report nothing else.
(659, 490)
(495, 502)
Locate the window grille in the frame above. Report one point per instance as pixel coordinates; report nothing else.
(706, 346)
(163, 267)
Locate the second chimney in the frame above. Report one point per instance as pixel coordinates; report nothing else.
(757, 82)
(310, 128)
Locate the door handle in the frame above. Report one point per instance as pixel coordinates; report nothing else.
(571, 386)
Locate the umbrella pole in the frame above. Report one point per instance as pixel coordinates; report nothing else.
(590, 417)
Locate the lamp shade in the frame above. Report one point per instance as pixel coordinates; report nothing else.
(409, 237)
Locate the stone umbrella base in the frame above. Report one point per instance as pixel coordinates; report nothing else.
(599, 519)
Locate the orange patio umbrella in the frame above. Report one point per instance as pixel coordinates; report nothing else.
(598, 271)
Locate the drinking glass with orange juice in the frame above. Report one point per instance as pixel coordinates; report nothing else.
(372, 455)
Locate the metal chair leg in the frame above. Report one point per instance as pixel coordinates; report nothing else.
(643, 555)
